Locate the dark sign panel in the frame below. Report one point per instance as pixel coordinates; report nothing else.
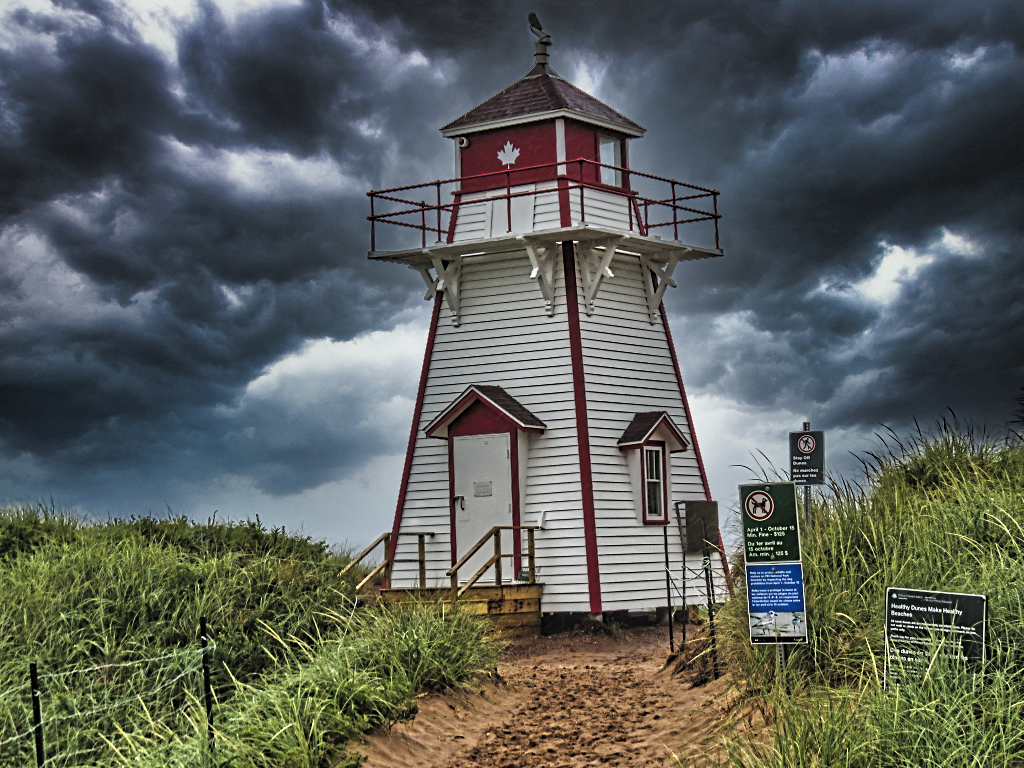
(701, 523)
(916, 618)
(775, 603)
(770, 531)
(807, 458)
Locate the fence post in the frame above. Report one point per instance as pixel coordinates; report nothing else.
(422, 554)
(37, 714)
(709, 582)
(207, 688)
(668, 590)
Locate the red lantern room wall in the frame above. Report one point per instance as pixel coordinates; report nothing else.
(551, 396)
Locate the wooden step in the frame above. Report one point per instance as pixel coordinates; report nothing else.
(513, 609)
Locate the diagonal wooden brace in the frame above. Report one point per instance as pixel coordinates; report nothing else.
(595, 266)
(543, 259)
(651, 271)
(449, 282)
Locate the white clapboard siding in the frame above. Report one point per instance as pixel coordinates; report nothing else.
(601, 209)
(504, 338)
(628, 368)
(529, 212)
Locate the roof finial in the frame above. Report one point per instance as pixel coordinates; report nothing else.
(540, 48)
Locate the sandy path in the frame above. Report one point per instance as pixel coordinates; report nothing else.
(566, 701)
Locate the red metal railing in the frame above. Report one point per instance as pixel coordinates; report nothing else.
(416, 212)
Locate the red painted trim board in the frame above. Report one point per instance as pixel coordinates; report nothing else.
(579, 387)
(693, 434)
(416, 413)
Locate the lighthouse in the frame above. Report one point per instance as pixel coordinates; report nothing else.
(551, 426)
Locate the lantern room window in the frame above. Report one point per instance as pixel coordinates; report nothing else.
(610, 154)
(655, 500)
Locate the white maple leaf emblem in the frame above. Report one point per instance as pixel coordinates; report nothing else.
(509, 154)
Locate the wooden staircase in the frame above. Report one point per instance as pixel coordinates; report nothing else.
(512, 607)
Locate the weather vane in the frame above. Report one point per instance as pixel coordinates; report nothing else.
(540, 48)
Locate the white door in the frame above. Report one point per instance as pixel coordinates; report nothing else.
(483, 499)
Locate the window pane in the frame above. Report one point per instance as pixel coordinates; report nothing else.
(653, 463)
(610, 156)
(654, 500)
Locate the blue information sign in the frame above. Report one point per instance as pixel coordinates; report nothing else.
(775, 602)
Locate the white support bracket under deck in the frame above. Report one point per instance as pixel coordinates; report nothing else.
(448, 281)
(664, 275)
(543, 258)
(595, 265)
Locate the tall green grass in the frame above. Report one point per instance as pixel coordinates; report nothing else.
(297, 670)
(942, 510)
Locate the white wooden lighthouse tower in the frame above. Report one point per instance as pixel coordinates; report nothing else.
(550, 396)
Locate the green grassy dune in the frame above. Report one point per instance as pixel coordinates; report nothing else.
(110, 613)
(939, 511)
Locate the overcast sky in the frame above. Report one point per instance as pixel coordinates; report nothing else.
(188, 320)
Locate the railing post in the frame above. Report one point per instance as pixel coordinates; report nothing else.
(387, 560)
(714, 198)
(530, 556)
(421, 553)
(455, 587)
(438, 185)
(423, 221)
(583, 210)
(675, 224)
(508, 196)
(373, 226)
(497, 558)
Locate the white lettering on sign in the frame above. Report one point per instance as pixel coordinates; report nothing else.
(483, 488)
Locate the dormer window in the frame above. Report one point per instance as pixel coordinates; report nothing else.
(610, 154)
(647, 443)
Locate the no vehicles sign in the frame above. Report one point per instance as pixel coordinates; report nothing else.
(807, 457)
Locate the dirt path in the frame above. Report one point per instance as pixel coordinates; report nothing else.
(565, 701)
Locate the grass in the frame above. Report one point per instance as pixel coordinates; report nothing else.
(941, 510)
(297, 671)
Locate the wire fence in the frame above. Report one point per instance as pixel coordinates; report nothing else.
(69, 717)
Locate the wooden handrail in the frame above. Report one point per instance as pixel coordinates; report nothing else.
(389, 560)
(494, 560)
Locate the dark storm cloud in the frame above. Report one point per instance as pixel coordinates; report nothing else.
(837, 133)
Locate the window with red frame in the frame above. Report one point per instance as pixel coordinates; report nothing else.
(655, 489)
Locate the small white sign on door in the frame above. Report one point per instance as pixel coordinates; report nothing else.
(483, 488)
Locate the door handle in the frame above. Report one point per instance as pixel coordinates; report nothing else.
(461, 500)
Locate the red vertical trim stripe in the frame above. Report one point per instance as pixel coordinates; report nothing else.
(582, 426)
(693, 434)
(416, 413)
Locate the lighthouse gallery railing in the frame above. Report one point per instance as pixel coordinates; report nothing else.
(435, 218)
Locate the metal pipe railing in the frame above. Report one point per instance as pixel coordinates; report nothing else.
(509, 175)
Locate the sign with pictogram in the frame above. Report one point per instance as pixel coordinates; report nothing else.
(807, 457)
(770, 531)
(775, 576)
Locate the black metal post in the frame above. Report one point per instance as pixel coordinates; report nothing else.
(807, 489)
(668, 592)
(207, 688)
(709, 582)
(37, 714)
